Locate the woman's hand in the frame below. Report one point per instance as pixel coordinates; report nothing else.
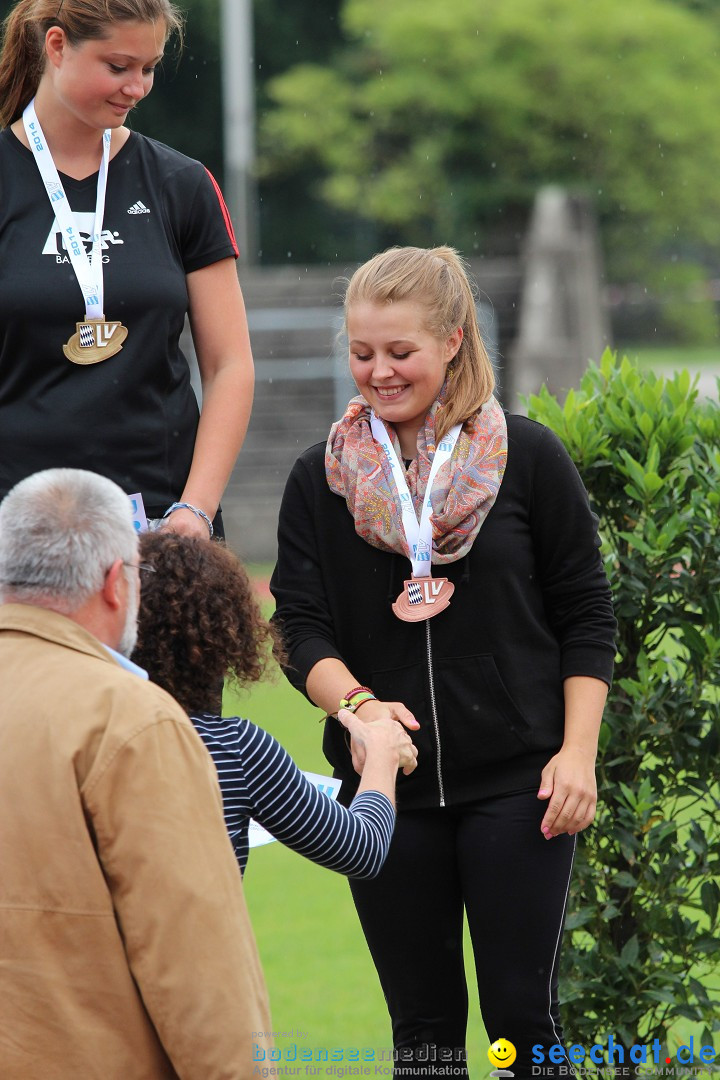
(395, 710)
(568, 781)
(382, 739)
(186, 523)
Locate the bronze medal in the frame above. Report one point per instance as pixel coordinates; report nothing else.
(422, 598)
(95, 340)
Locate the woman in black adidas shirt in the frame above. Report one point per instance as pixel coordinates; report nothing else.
(68, 395)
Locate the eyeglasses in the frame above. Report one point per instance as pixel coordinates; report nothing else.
(142, 567)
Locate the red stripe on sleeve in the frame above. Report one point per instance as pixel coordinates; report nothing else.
(225, 213)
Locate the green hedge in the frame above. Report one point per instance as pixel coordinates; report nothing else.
(641, 946)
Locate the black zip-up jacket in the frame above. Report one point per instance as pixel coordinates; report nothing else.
(484, 678)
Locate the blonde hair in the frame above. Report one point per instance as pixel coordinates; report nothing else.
(22, 58)
(436, 279)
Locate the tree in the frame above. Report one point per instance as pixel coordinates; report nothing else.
(440, 121)
(643, 912)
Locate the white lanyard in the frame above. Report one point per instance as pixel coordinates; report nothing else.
(418, 534)
(88, 271)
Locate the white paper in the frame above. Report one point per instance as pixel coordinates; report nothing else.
(140, 520)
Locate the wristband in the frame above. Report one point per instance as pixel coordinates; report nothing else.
(193, 510)
(357, 698)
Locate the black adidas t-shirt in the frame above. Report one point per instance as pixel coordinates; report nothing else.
(134, 416)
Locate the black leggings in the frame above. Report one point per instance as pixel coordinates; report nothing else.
(490, 858)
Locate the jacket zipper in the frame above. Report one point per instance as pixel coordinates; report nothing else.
(431, 682)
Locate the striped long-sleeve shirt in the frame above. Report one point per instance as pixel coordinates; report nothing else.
(259, 779)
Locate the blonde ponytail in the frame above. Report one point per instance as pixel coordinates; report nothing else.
(436, 279)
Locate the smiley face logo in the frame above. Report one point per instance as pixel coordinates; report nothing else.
(502, 1053)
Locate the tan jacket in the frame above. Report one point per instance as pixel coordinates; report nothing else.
(126, 951)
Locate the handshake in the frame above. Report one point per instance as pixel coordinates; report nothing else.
(380, 746)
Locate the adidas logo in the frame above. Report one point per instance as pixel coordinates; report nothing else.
(139, 208)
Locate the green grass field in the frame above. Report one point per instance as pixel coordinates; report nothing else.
(674, 357)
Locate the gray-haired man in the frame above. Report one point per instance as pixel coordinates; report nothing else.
(125, 945)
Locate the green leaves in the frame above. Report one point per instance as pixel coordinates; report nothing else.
(646, 886)
(710, 896)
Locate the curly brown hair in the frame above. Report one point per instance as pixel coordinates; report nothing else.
(199, 621)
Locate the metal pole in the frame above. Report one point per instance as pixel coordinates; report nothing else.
(236, 28)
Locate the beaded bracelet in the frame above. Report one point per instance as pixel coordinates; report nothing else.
(193, 510)
(356, 690)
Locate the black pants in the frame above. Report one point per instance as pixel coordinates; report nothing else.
(490, 859)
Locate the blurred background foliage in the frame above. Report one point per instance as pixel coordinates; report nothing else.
(415, 122)
(440, 121)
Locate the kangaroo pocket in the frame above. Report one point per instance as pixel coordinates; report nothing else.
(478, 719)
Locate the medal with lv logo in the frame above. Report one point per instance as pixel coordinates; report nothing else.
(95, 340)
(422, 598)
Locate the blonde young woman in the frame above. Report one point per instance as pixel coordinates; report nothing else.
(438, 562)
(107, 240)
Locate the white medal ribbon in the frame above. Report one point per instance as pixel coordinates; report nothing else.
(88, 271)
(417, 533)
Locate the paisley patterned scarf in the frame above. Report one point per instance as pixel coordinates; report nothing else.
(464, 491)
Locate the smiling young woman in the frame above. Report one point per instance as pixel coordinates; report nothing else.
(398, 365)
(438, 563)
(108, 240)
